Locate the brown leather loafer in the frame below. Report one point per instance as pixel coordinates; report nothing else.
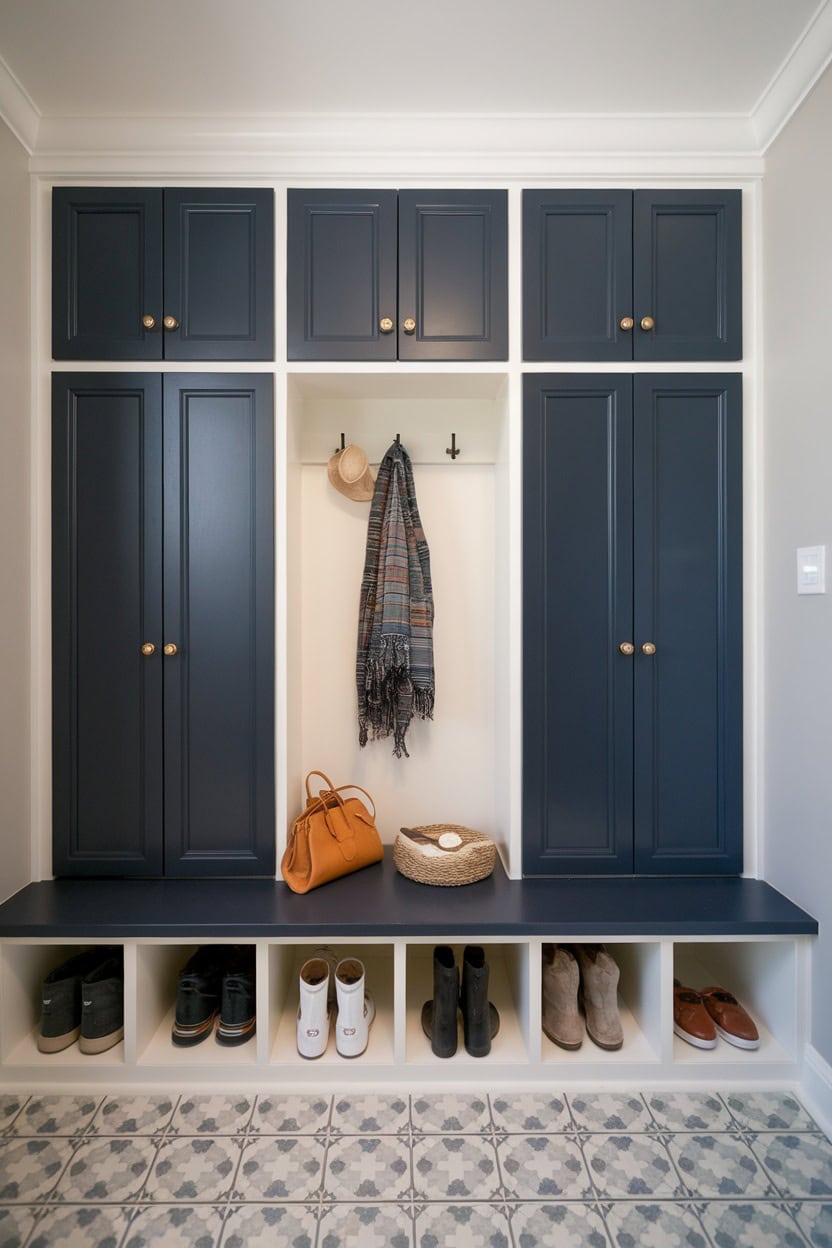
(691, 1021)
(732, 1022)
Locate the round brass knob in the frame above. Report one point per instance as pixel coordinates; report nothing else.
(626, 322)
(149, 322)
(148, 648)
(647, 323)
(648, 648)
(627, 647)
(170, 322)
(409, 326)
(386, 325)
(170, 649)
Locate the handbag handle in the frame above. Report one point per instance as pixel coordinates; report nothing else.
(336, 793)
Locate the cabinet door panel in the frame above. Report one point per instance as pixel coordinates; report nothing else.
(577, 609)
(688, 602)
(453, 275)
(341, 274)
(219, 274)
(219, 612)
(687, 262)
(107, 273)
(106, 603)
(577, 275)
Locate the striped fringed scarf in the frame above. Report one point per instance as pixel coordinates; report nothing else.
(394, 663)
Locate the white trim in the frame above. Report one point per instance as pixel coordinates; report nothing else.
(18, 109)
(794, 79)
(816, 1088)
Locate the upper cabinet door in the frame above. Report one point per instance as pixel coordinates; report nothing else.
(219, 265)
(453, 267)
(107, 273)
(687, 265)
(341, 277)
(577, 275)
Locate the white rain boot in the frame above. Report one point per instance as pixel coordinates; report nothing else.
(356, 1009)
(313, 1008)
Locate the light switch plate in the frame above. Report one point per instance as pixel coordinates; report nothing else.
(811, 570)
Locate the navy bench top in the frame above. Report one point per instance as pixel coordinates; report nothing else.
(378, 902)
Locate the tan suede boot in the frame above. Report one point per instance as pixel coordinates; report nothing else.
(562, 1022)
(599, 996)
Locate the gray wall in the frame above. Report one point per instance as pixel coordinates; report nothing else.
(14, 515)
(797, 306)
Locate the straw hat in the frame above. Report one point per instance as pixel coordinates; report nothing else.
(350, 473)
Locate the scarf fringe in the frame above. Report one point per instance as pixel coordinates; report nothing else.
(387, 675)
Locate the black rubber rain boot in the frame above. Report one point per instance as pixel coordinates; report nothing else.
(480, 1020)
(439, 1014)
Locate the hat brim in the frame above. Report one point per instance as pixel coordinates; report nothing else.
(360, 491)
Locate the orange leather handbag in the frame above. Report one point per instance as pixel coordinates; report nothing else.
(332, 837)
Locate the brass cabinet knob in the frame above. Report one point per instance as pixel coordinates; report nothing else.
(409, 326)
(626, 322)
(170, 322)
(648, 648)
(170, 649)
(627, 647)
(647, 323)
(148, 648)
(386, 325)
(149, 322)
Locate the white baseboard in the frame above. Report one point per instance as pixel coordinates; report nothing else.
(816, 1088)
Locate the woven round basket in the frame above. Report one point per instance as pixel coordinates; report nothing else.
(446, 854)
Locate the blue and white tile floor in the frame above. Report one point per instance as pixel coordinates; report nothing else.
(512, 1170)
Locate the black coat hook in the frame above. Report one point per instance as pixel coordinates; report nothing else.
(453, 450)
(398, 440)
(341, 447)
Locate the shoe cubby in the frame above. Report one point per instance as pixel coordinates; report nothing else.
(157, 976)
(639, 1006)
(507, 990)
(285, 962)
(23, 968)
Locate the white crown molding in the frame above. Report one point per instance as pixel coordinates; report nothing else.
(794, 79)
(17, 109)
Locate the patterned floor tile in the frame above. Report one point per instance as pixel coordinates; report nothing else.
(193, 1169)
(133, 1115)
(654, 1226)
(371, 1226)
(15, 1225)
(689, 1111)
(212, 1115)
(462, 1167)
(29, 1169)
(10, 1107)
(631, 1165)
(175, 1226)
(85, 1226)
(370, 1115)
(543, 1166)
(462, 1226)
(751, 1226)
(567, 1226)
(719, 1165)
(367, 1168)
(769, 1111)
(611, 1111)
(286, 1168)
(267, 1226)
(55, 1115)
(530, 1111)
(815, 1221)
(441, 1113)
(106, 1170)
(800, 1165)
(290, 1115)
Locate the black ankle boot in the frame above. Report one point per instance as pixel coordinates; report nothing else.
(439, 1015)
(480, 1020)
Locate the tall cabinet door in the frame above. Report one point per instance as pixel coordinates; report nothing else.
(577, 611)
(107, 606)
(219, 615)
(688, 606)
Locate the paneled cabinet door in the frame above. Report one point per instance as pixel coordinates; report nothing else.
(643, 275)
(163, 625)
(632, 599)
(153, 274)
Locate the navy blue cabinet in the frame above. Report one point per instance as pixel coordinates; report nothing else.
(413, 275)
(147, 274)
(632, 634)
(163, 624)
(644, 275)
